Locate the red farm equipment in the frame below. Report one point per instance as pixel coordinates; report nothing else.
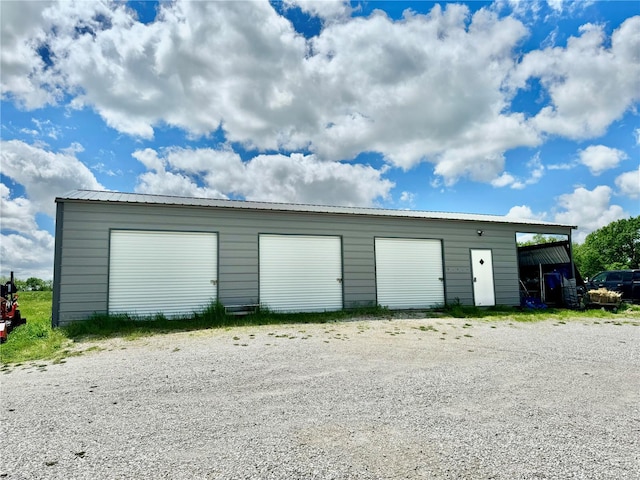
(10, 315)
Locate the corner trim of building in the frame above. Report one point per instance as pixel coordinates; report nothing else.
(57, 262)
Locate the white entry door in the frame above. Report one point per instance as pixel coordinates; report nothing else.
(482, 271)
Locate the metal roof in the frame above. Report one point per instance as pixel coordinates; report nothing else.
(545, 254)
(138, 198)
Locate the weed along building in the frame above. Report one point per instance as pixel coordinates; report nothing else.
(149, 254)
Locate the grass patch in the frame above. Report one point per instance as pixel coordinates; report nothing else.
(519, 314)
(38, 341)
(128, 326)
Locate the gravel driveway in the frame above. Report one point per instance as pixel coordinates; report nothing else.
(367, 399)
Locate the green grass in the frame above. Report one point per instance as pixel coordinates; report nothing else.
(38, 341)
(106, 326)
(457, 310)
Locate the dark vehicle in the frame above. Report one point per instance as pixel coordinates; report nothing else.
(626, 282)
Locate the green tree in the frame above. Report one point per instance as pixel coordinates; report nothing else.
(539, 239)
(612, 247)
(35, 284)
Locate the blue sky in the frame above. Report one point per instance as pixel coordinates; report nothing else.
(525, 109)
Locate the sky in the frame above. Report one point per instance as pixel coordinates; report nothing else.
(527, 109)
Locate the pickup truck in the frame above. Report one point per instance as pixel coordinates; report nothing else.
(626, 282)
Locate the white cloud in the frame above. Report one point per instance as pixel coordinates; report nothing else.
(556, 4)
(223, 60)
(22, 71)
(44, 174)
(47, 128)
(420, 90)
(586, 96)
(568, 6)
(17, 213)
(197, 65)
(408, 197)
(326, 9)
(26, 131)
(425, 88)
(524, 212)
(536, 172)
(24, 249)
(629, 183)
(479, 155)
(548, 11)
(305, 179)
(276, 178)
(503, 180)
(101, 167)
(27, 255)
(561, 166)
(519, 8)
(588, 209)
(599, 158)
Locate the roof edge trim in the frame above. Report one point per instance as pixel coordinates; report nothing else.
(151, 199)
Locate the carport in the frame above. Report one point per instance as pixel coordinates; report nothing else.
(548, 273)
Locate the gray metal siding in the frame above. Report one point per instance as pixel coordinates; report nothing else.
(82, 249)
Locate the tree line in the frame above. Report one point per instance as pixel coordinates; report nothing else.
(613, 247)
(31, 284)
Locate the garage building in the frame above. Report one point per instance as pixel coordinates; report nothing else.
(149, 254)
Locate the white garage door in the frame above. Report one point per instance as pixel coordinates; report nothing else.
(172, 273)
(409, 273)
(300, 273)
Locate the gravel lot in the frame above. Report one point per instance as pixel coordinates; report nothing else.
(367, 399)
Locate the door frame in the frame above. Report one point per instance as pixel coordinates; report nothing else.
(340, 279)
(441, 274)
(475, 275)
